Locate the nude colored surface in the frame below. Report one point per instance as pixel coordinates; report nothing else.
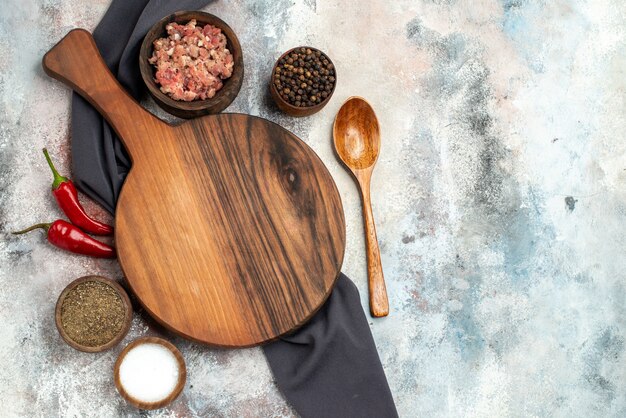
(499, 197)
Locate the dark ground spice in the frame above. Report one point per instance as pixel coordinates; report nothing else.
(92, 313)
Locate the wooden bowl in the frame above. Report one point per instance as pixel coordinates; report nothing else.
(287, 107)
(195, 108)
(127, 317)
(182, 373)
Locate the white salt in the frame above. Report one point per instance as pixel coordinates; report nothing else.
(149, 372)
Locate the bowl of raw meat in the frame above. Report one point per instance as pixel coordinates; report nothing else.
(192, 64)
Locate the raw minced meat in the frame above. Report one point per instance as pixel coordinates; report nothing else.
(192, 61)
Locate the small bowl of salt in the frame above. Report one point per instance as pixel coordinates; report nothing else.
(150, 373)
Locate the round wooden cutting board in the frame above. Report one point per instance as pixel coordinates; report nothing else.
(229, 229)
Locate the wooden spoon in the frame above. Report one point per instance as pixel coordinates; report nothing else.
(357, 142)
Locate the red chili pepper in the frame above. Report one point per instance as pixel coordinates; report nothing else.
(67, 197)
(64, 235)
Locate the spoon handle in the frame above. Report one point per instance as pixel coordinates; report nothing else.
(379, 303)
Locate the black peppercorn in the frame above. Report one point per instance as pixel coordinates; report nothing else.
(304, 77)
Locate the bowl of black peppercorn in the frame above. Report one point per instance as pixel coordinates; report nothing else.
(303, 80)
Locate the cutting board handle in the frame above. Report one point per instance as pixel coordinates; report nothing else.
(75, 61)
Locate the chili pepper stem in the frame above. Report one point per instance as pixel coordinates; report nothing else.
(44, 226)
(58, 179)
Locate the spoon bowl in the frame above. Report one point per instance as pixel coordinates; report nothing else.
(356, 134)
(357, 142)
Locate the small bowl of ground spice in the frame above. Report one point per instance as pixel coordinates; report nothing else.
(93, 314)
(192, 64)
(303, 80)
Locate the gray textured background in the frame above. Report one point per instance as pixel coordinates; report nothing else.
(499, 195)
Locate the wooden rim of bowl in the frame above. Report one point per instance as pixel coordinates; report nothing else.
(287, 107)
(231, 85)
(182, 373)
(128, 314)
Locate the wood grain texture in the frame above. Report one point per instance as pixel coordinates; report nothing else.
(357, 142)
(229, 229)
(180, 384)
(196, 108)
